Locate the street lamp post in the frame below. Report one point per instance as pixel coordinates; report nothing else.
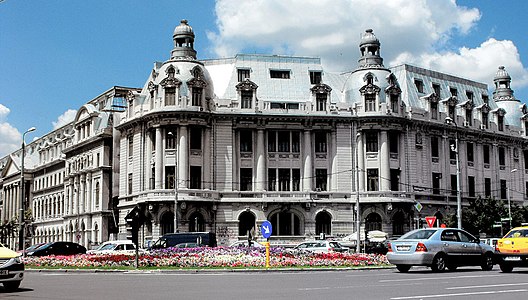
(21, 244)
(449, 120)
(358, 221)
(509, 201)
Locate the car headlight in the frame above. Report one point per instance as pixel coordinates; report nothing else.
(16, 260)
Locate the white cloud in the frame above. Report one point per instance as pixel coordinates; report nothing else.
(417, 32)
(10, 137)
(65, 118)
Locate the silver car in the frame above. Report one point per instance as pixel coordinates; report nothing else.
(439, 248)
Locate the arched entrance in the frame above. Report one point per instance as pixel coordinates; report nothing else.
(285, 223)
(246, 222)
(167, 223)
(323, 223)
(196, 222)
(372, 222)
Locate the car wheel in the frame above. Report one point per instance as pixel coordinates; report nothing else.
(11, 285)
(439, 263)
(487, 262)
(403, 268)
(506, 268)
(452, 268)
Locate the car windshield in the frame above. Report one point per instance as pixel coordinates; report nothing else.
(517, 233)
(419, 234)
(107, 247)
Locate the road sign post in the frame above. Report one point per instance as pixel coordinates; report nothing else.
(266, 230)
(430, 221)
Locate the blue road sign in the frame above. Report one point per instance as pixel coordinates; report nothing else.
(265, 229)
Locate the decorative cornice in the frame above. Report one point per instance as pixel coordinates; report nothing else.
(246, 85)
(321, 88)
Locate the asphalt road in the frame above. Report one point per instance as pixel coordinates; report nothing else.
(419, 283)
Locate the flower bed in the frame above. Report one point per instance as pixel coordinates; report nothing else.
(219, 257)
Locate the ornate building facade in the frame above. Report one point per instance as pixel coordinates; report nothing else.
(223, 144)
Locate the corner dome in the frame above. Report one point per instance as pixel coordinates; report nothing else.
(369, 38)
(502, 74)
(183, 28)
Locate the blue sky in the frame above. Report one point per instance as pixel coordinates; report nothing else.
(56, 55)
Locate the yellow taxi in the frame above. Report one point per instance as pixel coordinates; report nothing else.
(11, 268)
(512, 249)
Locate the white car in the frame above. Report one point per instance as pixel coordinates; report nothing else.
(115, 247)
(320, 247)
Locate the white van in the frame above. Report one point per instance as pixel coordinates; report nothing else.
(115, 247)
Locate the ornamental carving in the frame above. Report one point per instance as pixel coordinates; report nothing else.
(468, 105)
(130, 96)
(500, 112)
(451, 101)
(152, 87)
(246, 85)
(321, 88)
(369, 89)
(484, 108)
(170, 82)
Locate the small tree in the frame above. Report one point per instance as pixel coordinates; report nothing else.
(480, 216)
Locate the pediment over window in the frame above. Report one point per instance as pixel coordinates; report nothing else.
(393, 88)
(451, 101)
(321, 88)
(198, 80)
(246, 85)
(369, 89)
(467, 105)
(433, 98)
(170, 82)
(484, 108)
(501, 112)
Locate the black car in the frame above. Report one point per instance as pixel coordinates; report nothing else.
(58, 248)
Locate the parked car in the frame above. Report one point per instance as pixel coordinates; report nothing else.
(58, 248)
(320, 247)
(245, 244)
(188, 245)
(32, 248)
(173, 239)
(116, 247)
(490, 241)
(512, 249)
(439, 248)
(11, 268)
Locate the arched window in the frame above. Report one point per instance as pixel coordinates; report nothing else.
(285, 223)
(96, 234)
(323, 223)
(196, 222)
(246, 222)
(167, 223)
(398, 222)
(372, 222)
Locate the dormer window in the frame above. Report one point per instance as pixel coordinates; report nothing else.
(434, 110)
(247, 91)
(469, 117)
(485, 119)
(320, 100)
(394, 103)
(436, 89)
(419, 85)
(370, 102)
(452, 111)
(370, 92)
(316, 77)
(453, 92)
(170, 96)
(280, 74)
(197, 96)
(246, 99)
(469, 95)
(243, 74)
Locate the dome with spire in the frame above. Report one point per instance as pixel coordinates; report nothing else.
(183, 28)
(502, 75)
(368, 38)
(183, 42)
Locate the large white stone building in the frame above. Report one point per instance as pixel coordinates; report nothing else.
(222, 145)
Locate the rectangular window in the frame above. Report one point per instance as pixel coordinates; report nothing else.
(395, 179)
(130, 183)
(320, 99)
(419, 85)
(284, 141)
(469, 151)
(453, 92)
(277, 105)
(485, 120)
(502, 156)
(170, 96)
(371, 139)
(272, 141)
(196, 96)
(170, 138)
(280, 74)
(296, 179)
(370, 102)
(292, 105)
(246, 179)
(130, 146)
(503, 189)
(320, 142)
(486, 153)
(196, 138)
(169, 177)
(284, 179)
(471, 186)
(469, 117)
(436, 183)
(320, 179)
(195, 180)
(469, 95)
(487, 187)
(485, 99)
(393, 142)
(316, 77)
(372, 180)
(246, 141)
(453, 185)
(394, 103)
(243, 74)
(434, 147)
(436, 89)
(246, 99)
(296, 141)
(434, 110)
(272, 179)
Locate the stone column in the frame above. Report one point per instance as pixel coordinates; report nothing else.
(361, 163)
(261, 162)
(148, 160)
(207, 163)
(307, 158)
(89, 204)
(384, 162)
(333, 159)
(158, 181)
(183, 157)
(82, 194)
